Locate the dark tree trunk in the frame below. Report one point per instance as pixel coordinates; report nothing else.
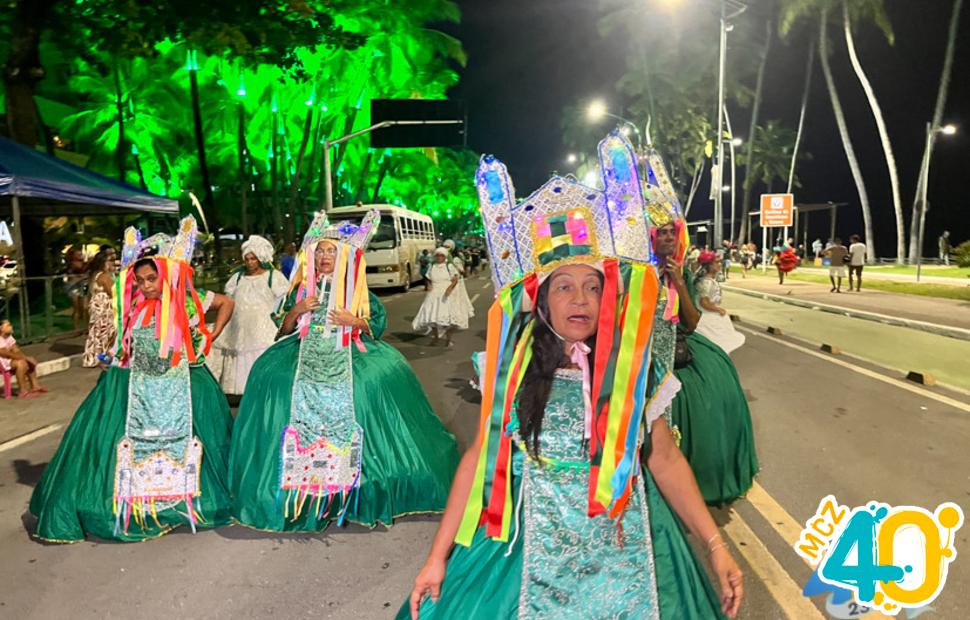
(120, 106)
(295, 184)
(208, 204)
(23, 70)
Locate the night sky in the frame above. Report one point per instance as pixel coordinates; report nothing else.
(529, 59)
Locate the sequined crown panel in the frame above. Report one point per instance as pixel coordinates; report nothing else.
(564, 220)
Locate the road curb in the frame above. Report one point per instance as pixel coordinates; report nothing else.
(59, 364)
(934, 328)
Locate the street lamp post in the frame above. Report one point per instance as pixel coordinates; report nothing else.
(931, 132)
(725, 27)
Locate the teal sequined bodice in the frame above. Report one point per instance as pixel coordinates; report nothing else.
(572, 561)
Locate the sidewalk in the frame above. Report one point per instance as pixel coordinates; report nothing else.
(873, 272)
(56, 355)
(942, 312)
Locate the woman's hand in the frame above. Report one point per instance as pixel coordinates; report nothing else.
(309, 304)
(730, 580)
(340, 316)
(721, 311)
(674, 271)
(428, 582)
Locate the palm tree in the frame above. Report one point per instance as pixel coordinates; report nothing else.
(792, 11)
(937, 119)
(875, 10)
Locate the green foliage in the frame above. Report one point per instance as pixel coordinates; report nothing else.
(962, 254)
(259, 68)
(860, 11)
(772, 152)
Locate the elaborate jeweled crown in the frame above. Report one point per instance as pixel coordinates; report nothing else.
(354, 235)
(179, 247)
(663, 206)
(564, 220)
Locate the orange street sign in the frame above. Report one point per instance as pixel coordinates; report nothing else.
(777, 210)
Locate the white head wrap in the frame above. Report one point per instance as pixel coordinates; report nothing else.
(260, 247)
(449, 244)
(442, 250)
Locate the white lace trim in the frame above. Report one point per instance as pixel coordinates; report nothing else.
(661, 399)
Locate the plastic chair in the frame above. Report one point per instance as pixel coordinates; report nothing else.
(7, 383)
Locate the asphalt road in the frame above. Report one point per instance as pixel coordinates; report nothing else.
(822, 426)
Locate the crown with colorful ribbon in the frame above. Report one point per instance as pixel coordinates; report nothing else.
(566, 222)
(663, 208)
(170, 313)
(160, 245)
(349, 278)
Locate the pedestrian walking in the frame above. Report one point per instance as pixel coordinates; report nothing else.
(838, 255)
(424, 263)
(256, 288)
(442, 311)
(857, 260)
(945, 247)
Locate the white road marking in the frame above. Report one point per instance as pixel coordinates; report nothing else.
(475, 297)
(27, 438)
(900, 383)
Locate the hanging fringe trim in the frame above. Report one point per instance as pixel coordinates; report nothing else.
(140, 509)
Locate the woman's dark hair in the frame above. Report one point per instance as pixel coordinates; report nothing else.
(97, 263)
(547, 356)
(142, 262)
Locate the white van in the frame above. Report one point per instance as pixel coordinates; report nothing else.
(392, 256)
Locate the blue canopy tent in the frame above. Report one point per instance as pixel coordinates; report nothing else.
(34, 184)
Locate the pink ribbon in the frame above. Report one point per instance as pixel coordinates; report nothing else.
(578, 355)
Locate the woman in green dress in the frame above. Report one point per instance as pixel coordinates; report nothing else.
(709, 417)
(147, 449)
(334, 425)
(552, 515)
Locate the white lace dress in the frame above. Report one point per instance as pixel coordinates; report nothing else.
(716, 328)
(251, 329)
(439, 311)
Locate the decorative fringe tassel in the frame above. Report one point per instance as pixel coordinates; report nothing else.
(139, 509)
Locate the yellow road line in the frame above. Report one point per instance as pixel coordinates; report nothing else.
(783, 523)
(780, 585)
(900, 383)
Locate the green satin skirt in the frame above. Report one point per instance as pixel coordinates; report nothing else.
(483, 580)
(409, 458)
(74, 496)
(715, 423)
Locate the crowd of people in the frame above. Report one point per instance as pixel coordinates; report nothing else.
(611, 410)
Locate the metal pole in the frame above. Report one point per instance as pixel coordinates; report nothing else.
(924, 178)
(328, 178)
(764, 250)
(730, 131)
(21, 270)
(718, 198)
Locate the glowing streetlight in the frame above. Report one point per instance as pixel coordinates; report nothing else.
(571, 158)
(948, 129)
(725, 188)
(596, 110)
(736, 142)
